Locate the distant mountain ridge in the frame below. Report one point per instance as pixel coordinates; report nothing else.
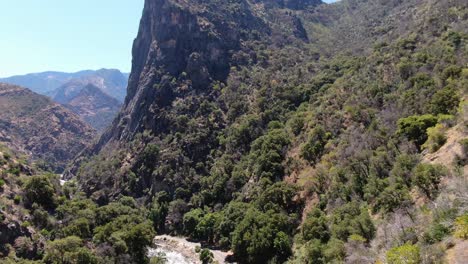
(97, 108)
(111, 81)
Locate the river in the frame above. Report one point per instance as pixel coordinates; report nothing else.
(178, 250)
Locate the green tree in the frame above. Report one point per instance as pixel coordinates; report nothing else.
(62, 251)
(267, 154)
(315, 226)
(334, 251)
(138, 238)
(260, 237)
(208, 225)
(191, 220)
(427, 177)
(392, 197)
(415, 127)
(445, 101)
(351, 219)
(79, 227)
(39, 189)
(313, 149)
(314, 252)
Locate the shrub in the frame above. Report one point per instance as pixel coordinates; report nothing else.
(406, 254)
(454, 38)
(24, 246)
(461, 227)
(79, 227)
(357, 238)
(6, 156)
(62, 250)
(40, 190)
(2, 183)
(161, 258)
(436, 233)
(313, 149)
(436, 138)
(451, 72)
(427, 177)
(335, 251)
(445, 101)
(40, 217)
(206, 256)
(415, 127)
(197, 249)
(315, 226)
(314, 252)
(17, 199)
(351, 219)
(393, 197)
(85, 256)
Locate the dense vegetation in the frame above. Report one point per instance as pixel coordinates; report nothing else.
(306, 144)
(311, 151)
(48, 223)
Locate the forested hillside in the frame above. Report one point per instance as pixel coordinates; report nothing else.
(45, 131)
(44, 220)
(287, 132)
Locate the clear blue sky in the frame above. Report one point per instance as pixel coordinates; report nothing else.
(67, 35)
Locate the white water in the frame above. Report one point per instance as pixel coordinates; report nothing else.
(172, 257)
(62, 181)
(179, 250)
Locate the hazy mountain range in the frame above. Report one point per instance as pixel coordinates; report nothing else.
(111, 81)
(72, 90)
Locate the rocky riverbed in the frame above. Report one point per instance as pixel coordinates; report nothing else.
(179, 250)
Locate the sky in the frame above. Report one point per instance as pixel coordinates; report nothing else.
(64, 35)
(68, 36)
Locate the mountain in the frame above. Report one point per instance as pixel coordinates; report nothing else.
(44, 82)
(46, 131)
(97, 108)
(94, 106)
(111, 81)
(283, 131)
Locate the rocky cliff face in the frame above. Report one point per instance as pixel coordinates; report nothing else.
(183, 55)
(183, 48)
(177, 40)
(34, 125)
